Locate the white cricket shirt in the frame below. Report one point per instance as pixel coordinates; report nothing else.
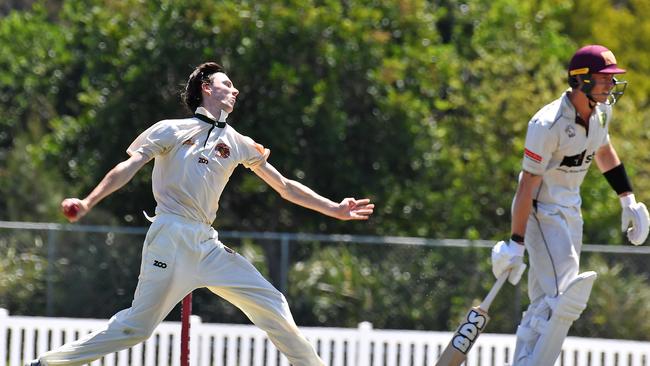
(561, 151)
(188, 177)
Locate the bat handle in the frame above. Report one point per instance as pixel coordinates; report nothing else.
(485, 305)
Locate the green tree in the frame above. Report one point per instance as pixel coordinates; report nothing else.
(617, 305)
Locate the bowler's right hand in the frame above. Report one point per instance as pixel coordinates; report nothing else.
(509, 257)
(74, 209)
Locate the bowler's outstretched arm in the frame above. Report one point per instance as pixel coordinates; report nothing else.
(295, 192)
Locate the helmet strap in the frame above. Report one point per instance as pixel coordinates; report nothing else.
(592, 101)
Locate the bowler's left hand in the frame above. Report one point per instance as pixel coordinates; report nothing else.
(354, 209)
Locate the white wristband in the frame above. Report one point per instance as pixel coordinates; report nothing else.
(628, 200)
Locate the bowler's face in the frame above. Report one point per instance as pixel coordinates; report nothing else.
(224, 94)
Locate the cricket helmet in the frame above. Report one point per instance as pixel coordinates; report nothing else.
(594, 59)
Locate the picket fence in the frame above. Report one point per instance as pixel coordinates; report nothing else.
(22, 338)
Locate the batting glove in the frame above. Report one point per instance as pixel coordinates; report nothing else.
(634, 214)
(508, 257)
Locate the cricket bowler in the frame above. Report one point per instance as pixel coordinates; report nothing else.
(194, 158)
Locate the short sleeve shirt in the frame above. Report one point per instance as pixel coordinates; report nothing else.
(561, 151)
(192, 167)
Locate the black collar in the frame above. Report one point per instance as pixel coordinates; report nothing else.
(209, 120)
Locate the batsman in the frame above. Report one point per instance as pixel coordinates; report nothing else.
(563, 139)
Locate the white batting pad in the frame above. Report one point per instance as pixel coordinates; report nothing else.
(566, 310)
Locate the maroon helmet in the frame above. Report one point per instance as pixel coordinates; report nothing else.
(595, 59)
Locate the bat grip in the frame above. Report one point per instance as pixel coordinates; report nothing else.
(485, 305)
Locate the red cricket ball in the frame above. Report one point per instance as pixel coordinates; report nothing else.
(71, 211)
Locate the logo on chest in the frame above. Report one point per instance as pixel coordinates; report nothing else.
(577, 160)
(222, 150)
(570, 131)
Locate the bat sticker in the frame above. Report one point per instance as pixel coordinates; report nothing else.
(469, 331)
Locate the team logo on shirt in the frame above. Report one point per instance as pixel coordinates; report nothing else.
(570, 130)
(223, 150)
(602, 118)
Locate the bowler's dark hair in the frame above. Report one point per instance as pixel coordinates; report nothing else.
(191, 96)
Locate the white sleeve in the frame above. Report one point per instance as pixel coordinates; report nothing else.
(541, 141)
(606, 140)
(253, 154)
(156, 140)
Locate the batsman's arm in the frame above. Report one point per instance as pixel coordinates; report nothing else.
(523, 202)
(635, 219)
(607, 159)
(295, 192)
(115, 179)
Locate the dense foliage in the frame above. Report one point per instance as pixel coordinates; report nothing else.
(420, 105)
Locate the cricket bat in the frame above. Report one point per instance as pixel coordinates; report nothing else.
(471, 327)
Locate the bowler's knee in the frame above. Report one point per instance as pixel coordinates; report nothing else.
(134, 336)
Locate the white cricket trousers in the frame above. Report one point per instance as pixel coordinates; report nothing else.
(554, 243)
(178, 256)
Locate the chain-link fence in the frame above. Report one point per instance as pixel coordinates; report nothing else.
(330, 280)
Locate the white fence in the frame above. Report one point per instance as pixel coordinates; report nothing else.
(22, 338)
